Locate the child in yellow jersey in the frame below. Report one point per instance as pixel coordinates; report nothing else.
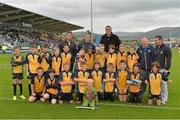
(46, 59)
(33, 61)
(134, 81)
(51, 87)
(121, 55)
(154, 80)
(66, 56)
(81, 78)
(89, 56)
(56, 62)
(66, 84)
(17, 62)
(121, 81)
(109, 82)
(80, 58)
(111, 56)
(38, 86)
(97, 76)
(132, 57)
(100, 56)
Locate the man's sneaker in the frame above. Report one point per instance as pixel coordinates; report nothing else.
(163, 102)
(71, 101)
(14, 98)
(22, 97)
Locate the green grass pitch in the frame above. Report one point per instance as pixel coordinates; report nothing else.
(108, 110)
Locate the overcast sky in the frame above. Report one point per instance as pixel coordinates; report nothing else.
(122, 15)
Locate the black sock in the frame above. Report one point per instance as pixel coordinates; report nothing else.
(21, 89)
(29, 86)
(14, 89)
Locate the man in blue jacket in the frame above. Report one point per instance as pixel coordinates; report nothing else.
(146, 55)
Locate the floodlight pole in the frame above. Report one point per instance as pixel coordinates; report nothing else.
(92, 21)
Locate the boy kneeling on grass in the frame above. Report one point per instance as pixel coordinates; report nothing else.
(155, 80)
(38, 86)
(90, 95)
(51, 87)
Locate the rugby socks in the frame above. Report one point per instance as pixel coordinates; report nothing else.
(29, 87)
(14, 89)
(21, 89)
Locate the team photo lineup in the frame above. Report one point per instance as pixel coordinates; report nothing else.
(87, 74)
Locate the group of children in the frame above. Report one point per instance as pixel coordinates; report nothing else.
(93, 77)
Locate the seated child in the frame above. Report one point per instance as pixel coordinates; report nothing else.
(81, 78)
(109, 82)
(97, 76)
(89, 95)
(121, 81)
(134, 82)
(154, 80)
(66, 84)
(51, 87)
(38, 86)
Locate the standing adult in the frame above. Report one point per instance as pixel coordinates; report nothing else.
(86, 44)
(163, 55)
(72, 45)
(146, 57)
(109, 38)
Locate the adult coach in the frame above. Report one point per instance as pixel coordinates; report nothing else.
(146, 57)
(72, 45)
(109, 38)
(163, 56)
(86, 44)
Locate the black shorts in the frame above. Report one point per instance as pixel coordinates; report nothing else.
(31, 76)
(151, 97)
(66, 96)
(17, 76)
(38, 96)
(52, 96)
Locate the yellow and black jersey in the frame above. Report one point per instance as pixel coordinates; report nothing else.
(56, 64)
(65, 57)
(39, 84)
(101, 58)
(83, 76)
(66, 77)
(17, 64)
(120, 57)
(33, 61)
(89, 60)
(97, 76)
(134, 88)
(52, 86)
(131, 60)
(155, 83)
(46, 61)
(112, 58)
(122, 79)
(109, 86)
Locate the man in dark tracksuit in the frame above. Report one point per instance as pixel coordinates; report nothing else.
(163, 56)
(146, 57)
(72, 46)
(86, 44)
(109, 38)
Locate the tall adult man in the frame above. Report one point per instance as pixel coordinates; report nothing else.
(72, 45)
(109, 38)
(146, 57)
(86, 44)
(163, 56)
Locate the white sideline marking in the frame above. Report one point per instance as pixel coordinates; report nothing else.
(140, 106)
(111, 104)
